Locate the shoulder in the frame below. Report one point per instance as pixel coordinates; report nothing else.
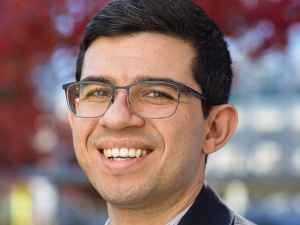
(238, 220)
(209, 209)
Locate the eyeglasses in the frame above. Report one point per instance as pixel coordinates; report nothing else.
(149, 99)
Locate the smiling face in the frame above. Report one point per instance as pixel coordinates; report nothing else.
(174, 165)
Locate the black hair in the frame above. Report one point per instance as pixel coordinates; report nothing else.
(182, 19)
(178, 18)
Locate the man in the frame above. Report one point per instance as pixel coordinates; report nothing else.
(149, 105)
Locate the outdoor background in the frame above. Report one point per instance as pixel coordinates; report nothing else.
(257, 173)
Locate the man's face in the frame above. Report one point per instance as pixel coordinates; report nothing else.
(173, 167)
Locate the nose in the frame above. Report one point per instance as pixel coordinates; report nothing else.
(120, 114)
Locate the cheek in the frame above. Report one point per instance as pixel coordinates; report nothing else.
(183, 135)
(82, 128)
(182, 130)
(181, 156)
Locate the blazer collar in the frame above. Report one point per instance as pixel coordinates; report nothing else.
(208, 209)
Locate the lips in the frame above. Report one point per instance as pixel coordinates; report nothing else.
(120, 154)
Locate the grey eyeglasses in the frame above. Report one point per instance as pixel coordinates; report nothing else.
(149, 99)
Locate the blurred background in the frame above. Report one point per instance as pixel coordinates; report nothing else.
(257, 173)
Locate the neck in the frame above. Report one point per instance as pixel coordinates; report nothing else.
(160, 213)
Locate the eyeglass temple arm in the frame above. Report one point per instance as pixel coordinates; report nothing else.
(196, 93)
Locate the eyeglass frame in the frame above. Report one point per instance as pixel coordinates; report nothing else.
(179, 86)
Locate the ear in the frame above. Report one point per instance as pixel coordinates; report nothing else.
(219, 126)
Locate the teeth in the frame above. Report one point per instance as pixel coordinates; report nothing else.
(124, 153)
(115, 152)
(120, 159)
(132, 152)
(108, 152)
(138, 153)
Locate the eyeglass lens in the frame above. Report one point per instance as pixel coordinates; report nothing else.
(148, 99)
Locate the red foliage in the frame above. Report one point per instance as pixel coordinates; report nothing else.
(27, 28)
(236, 16)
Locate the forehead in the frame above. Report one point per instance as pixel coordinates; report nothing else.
(125, 59)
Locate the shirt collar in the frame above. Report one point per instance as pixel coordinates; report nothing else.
(209, 209)
(177, 218)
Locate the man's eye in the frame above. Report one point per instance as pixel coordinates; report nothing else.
(99, 93)
(158, 94)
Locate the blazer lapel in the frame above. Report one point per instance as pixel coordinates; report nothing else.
(208, 209)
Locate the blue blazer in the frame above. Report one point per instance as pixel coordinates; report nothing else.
(209, 209)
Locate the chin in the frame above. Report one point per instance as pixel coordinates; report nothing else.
(126, 196)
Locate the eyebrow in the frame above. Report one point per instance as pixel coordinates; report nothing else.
(103, 79)
(149, 78)
(111, 81)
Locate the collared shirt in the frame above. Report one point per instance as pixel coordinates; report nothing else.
(175, 220)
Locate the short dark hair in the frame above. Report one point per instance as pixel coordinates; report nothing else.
(178, 18)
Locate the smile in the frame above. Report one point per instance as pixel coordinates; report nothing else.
(120, 154)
